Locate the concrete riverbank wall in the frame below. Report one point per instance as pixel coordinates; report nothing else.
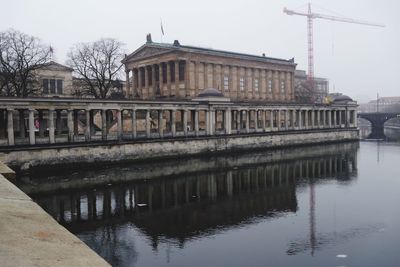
(63, 155)
(31, 237)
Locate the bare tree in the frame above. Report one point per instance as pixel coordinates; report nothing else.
(98, 65)
(20, 56)
(303, 92)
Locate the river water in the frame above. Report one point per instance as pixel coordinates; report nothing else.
(326, 205)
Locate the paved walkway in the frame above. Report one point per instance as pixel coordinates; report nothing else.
(31, 237)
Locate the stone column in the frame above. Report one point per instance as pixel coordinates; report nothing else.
(119, 124)
(52, 139)
(196, 122)
(300, 124)
(173, 122)
(329, 114)
(160, 123)
(41, 123)
(70, 124)
(152, 92)
(160, 78)
(127, 93)
(103, 124)
(271, 120)
(279, 120)
(263, 123)
(255, 119)
(293, 119)
(318, 118)
(333, 115)
(140, 87)
(146, 91)
(208, 129)
(176, 93)
(10, 127)
(88, 124)
(355, 118)
(134, 82)
(185, 120)
(340, 118)
(286, 119)
(238, 120)
(347, 116)
(227, 120)
(168, 78)
(306, 119)
(148, 123)
(134, 127)
(323, 118)
(247, 121)
(212, 122)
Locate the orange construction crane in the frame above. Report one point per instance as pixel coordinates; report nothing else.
(310, 16)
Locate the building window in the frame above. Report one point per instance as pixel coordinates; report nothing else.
(59, 87)
(241, 84)
(226, 83)
(282, 87)
(270, 86)
(256, 84)
(45, 86)
(52, 86)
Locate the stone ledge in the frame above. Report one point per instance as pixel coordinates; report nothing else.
(31, 237)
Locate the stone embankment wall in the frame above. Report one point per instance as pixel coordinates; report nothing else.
(144, 150)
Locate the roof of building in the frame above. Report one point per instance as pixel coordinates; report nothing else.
(341, 98)
(209, 51)
(57, 65)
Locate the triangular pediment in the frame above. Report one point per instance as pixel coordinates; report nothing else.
(52, 65)
(147, 51)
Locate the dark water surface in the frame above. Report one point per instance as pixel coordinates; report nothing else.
(328, 205)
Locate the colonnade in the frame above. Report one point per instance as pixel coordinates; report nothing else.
(84, 123)
(183, 78)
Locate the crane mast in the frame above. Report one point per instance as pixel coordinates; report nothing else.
(310, 16)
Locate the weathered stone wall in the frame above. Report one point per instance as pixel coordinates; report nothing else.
(95, 153)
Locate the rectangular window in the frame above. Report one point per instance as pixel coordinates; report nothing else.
(59, 87)
(241, 84)
(45, 86)
(256, 84)
(226, 83)
(282, 87)
(52, 86)
(270, 86)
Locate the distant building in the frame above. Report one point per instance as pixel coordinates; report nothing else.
(175, 71)
(302, 90)
(384, 104)
(57, 80)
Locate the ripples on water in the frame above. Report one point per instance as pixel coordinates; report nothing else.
(289, 207)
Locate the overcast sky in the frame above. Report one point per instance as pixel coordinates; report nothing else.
(358, 60)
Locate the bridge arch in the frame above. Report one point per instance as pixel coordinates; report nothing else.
(377, 121)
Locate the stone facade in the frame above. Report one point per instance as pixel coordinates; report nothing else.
(161, 70)
(55, 80)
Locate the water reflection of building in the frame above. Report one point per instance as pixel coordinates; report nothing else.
(195, 204)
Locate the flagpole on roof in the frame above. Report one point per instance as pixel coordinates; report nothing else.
(162, 30)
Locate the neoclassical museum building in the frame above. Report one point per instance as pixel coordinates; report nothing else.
(176, 71)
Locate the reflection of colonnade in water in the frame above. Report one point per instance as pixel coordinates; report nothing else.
(197, 202)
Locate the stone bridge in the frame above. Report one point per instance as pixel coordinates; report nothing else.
(377, 120)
